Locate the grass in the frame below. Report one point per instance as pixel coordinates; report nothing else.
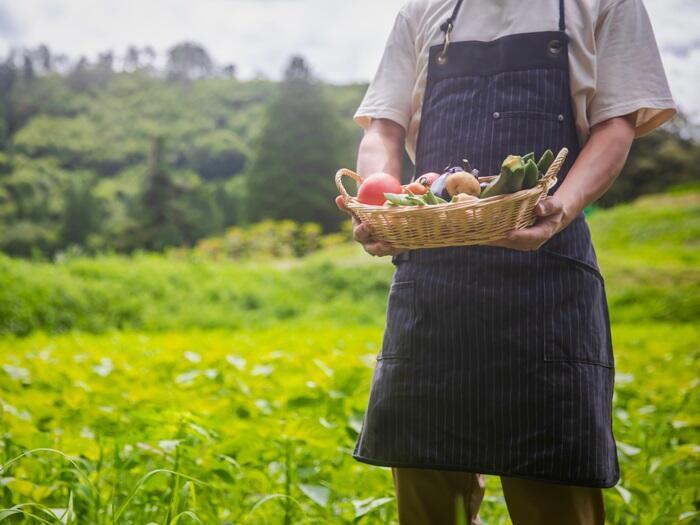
(265, 421)
(152, 390)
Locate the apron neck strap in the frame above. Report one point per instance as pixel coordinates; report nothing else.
(449, 23)
(562, 18)
(447, 26)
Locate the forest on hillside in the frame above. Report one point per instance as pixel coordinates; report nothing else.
(139, 152)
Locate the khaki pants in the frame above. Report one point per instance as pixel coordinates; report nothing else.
(429, 497)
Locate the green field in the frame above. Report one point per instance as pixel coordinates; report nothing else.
(164, 390)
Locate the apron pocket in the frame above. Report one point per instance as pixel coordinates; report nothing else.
(578, 326)
(399, 333)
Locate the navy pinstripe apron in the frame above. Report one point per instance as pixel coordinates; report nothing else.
(494, 360)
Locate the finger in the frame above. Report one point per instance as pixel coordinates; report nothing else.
(515, 244)
(380, 249)
(362, 233)
(340, 202)
(529, 238)
(549, 206)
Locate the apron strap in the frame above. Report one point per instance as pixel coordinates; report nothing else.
(449, 23)
(562, 18)
(447, 28)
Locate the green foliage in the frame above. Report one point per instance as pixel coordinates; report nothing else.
(100, 125)
(154, 293)
(261, 423)
(187, 61)
(162, 223)
(658, 160)
(267, 238)
(298, 152)
(256, 425)
(241, 151)
(339, 283)
(649, 255)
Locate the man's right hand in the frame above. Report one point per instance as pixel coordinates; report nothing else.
(362, 233)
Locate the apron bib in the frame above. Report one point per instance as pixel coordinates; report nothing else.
(493, 360)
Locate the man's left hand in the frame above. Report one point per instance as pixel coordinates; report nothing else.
(552, 219)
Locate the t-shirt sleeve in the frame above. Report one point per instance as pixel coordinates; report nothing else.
(390, 92)
(630, 76)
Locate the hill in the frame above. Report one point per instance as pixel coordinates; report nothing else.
(75, 156)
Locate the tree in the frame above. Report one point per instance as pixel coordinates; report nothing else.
(28, 68)
(187, 61)
(298, 153)
(229, 71)
(162, 226)
(131, 60)
(79, 77)
(8, 77)
(665, 158)
(148, 55)
(82, 213)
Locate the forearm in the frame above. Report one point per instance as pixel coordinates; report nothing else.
(597, 166)
(381, 149)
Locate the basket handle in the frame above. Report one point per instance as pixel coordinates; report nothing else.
(554, 167)
(339, 181)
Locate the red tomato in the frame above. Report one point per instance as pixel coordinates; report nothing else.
(374, 187)
(417, 188)
(428, 178)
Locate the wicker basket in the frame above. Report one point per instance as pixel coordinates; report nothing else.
(452, 224)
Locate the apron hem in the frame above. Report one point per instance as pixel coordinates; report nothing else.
(602, 484)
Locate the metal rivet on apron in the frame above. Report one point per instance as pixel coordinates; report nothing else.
(561, 118)
(496, 114)
(554, 47)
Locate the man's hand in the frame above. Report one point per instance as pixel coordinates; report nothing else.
(595, 169)
(362, 233)
(552, 219)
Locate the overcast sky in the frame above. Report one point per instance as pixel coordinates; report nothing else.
(342, 39)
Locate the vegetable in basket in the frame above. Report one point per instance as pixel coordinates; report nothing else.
(427, 179)
(532, 174)
(545, 161)
(509, 181)
(456, 180)
(465, 197)
(462, 182)
(416, 188)
(374, 187)
(410, 199)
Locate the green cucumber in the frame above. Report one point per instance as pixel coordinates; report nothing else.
(545, 161)
(510, 179)
(531, 174)
(529, 156)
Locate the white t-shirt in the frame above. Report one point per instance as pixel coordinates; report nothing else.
(615, 67)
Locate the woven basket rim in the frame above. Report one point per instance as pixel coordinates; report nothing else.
(352, 202)
(548, 180)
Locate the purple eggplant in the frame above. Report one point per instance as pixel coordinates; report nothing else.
(439, 186)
